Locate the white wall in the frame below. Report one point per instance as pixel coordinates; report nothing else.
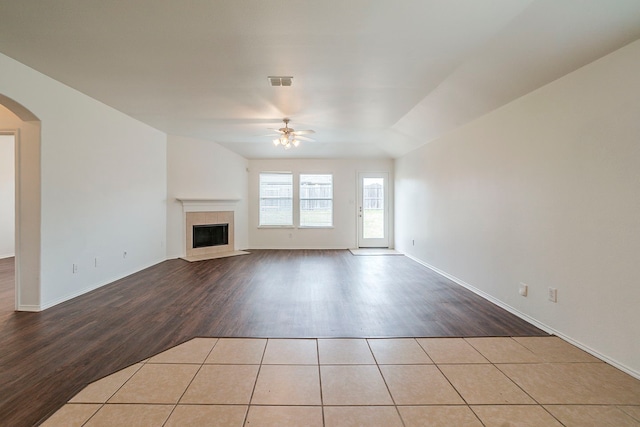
(7, 196)
(103, 186)
(343, 234)
(203, 169)
(545, 191)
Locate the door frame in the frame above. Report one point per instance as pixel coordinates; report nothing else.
(14, 133)
(26, 129)
(361, 242)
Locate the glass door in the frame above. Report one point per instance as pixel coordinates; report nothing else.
(373, 210)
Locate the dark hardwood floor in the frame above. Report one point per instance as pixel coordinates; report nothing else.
(47, 357)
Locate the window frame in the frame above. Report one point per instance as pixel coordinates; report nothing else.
(301, 199)
(261, 198)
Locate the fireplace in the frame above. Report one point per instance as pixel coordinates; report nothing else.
(218, 216)
(207, 235)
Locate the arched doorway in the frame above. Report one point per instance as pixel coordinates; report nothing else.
(18, 121)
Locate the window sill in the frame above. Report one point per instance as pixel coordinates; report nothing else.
(291, 227)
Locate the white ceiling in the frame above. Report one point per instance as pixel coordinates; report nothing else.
(373, 78)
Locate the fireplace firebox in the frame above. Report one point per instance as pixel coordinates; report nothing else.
(206, 235)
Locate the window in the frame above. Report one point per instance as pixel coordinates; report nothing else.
(316, 200)
(276, 199)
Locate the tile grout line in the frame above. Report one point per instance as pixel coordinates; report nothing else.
(525, 392)
(190, 382)
(103, 404)
(92, 415)
(451, 384)
(320, 381)
(627, 413)
(495, 365)
(544, 361)
(255, 382)
(385, 383)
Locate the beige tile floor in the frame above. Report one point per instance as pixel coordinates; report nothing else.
(537, 381)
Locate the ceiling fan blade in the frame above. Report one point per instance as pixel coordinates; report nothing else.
(304, 138)
(275, 130)
(304, 132)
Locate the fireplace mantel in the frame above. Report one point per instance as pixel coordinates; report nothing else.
(200, 204)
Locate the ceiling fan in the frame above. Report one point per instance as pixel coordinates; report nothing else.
(290, 137)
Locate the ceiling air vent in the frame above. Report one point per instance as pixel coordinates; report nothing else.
(280, 80)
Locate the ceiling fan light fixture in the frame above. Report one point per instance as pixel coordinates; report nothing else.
(288, 137)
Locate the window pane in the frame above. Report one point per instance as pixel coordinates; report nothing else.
(316, 200)
(276, 199)
(373, 208)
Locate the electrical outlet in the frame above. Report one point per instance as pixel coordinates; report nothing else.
(524, 289)
(124, 254)
(75, 268)
(95, 262)
(553, 295)
(413, 243)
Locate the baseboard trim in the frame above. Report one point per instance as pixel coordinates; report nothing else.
(97, 285)
(32, 308)
(7, 256)
(299, 248)
(543, 326)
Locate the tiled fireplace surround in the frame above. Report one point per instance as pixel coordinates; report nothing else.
(208, 218)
